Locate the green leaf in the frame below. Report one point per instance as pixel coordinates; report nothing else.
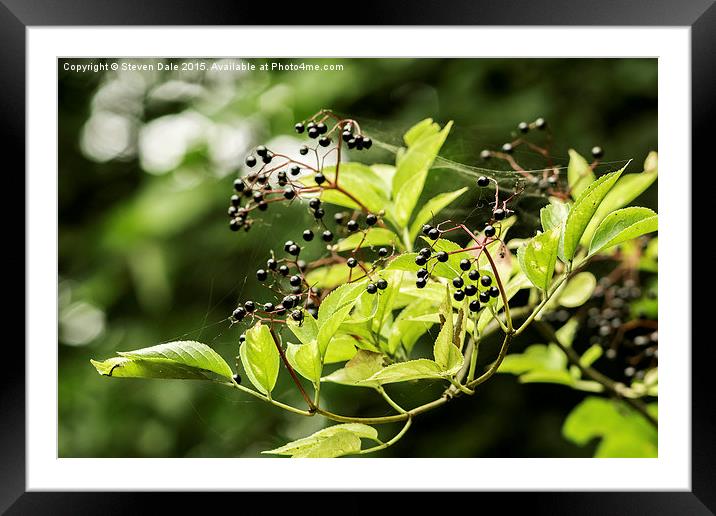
(622, 431)
(411, 173)
(306, 359)
(386, 298)
(622, 225)
(358, 369)
(578, 290)
(334, 309)
(591, 355)
(421, 368)
(360, 180)
(260, 358)
(565, 335)
(329, 276)
(385, 173)
(628, 188)
(537, 357)
(404, 330)
(553, 215)
(121, 367)
(579, 173)
(334, 441)
(447, 355)
(538, 257)
(422, 129)
(582, 211)
(340, 348)
(431, 208)
(372, 237)
(186, 353)
(305, 331)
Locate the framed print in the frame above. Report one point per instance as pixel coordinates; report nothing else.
(429, 255)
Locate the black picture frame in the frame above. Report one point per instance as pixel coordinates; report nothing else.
(17, 15)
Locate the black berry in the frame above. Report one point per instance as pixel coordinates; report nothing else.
(489, 231)
(235, 224)
(322, 128)
(434, 234)
(458, 295)
(474, 305)
(367, 142)
(280, 309)
(372, 288)
(261, 275)
(499, 214)
(465, 265)
(299, 127)
(523, 127)
(442, 256)
(346, 135)
(351, 262)
(420, 260)
(262, 151)
(482, 181)
(457, 282)
(507, 147)
(297, 315)
(421, 282)
(339, 218)
(237, 378)
(474, 274)
(352, 225)
(425, 252)
(325, 141)
(288, 244)
(319, 213)
(239, 313)
(288, 301)
(239, 185)
(249, 306)
(327, 236)
(484, 297)
(303, 150)
(422, 273)
(494, 292)
(426, 229)
(308, 235)
(597, 152)
(313, 132)
(283, 270)
(382, 252)
(289, 193)
(314, 204)
(294, 250)
(371, 219)
(268, 307)
(295, 280)
(486, 281)
(540, 123)
(382, 284)
(319, 178)
(470, 290)
(485, 154)
(271, 264)
(294, 170)
(235, 200)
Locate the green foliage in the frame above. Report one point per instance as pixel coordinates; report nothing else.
(582, 211)
(334, 441)
(431, 208)
(622, 225)
(622, 432)
(579, 174)
(578, 290)
(181, 360)
(260, 358)
(538, 257)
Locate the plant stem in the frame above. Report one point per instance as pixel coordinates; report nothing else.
(505, 303)
(390, 401)
(394, 440)
(618, 389)
(306, 397)
(495, 365)
(269, 400)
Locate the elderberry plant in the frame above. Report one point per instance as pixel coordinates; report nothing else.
(390, 272)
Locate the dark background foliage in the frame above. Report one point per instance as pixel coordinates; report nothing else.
(146, 161)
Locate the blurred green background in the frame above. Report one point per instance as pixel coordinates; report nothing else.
(146, 162)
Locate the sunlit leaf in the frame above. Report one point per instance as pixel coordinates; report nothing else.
(260, 358)
(431, 208)
(334, 441)
(372, 237)
(579, 173)
(358, 369)
(538, 257)
(187, 353)
(578, 290)
(622, 225)
(306, 360)
(421, 368)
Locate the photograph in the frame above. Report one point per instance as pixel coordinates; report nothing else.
(357, 257)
